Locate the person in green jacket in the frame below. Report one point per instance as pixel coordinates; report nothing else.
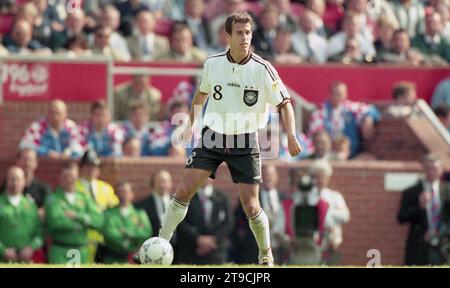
(68, 215)
(20, 227)
(125, 228)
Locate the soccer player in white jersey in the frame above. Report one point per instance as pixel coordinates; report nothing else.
(240, 85)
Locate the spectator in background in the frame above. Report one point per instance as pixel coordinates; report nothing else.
(102, 38)
(318, 8)
(309, 45)
(89, 183)
(199, 26)
(110, 16)
(441, 94)
(443, 113)
(158, 142)
(128, 10)
(341, 148)
(100, 134)
(204, 232)
(27, 12)
(337, 212)
(322, 145)
(69, 214)
(20, 228)
(285, 18)
(155, 204)
(410, 16)
(266, 30)
(174, 9)
(100, 192)
(366, 23)
(401, 51)
(8, 7)
(385, 34)
(125, 228)
(131, 147)
(181, 46)
(20, 41)
(75, 24)
(271, 202)
(231, 6)
(333, 15)
(34, 189)
(351, 29)
(46, 22)
(423, 206)
(77, 46)
(223, 42)
(139, 90)
(339, 116)
(54, 136)
(146, 45)
(283, 50)
(432, 43)
(137, 126)
(443, 8)
(352, 54)
(405, 96)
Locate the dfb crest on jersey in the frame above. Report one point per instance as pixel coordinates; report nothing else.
(250, 97)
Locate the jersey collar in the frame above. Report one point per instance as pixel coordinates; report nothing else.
(243, 61)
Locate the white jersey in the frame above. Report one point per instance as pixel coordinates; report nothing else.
(239, 93)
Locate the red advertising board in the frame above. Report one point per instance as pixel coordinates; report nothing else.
(43, 81)
(87, 82)
(365, 83)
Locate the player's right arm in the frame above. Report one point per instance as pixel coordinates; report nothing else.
(197, 103)
(196, 107)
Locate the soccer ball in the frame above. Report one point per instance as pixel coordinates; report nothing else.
(156, 250)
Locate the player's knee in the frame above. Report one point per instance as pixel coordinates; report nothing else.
(183, 194)
(251, 208)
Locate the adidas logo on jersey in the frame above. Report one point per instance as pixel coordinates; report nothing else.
(234, 85)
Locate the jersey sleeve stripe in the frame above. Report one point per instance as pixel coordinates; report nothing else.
(284, 102)
(268, 70)
(282, 96)
(268, 66)
(216, 55)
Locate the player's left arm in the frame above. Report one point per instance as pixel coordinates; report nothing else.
(278, 96)
(287, 113)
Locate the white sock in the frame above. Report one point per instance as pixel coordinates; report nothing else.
(259, 225)
(175, 213)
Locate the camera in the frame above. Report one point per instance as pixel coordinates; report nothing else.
(305, 184)
(306, 220)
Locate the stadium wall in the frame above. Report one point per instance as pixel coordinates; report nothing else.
(373, 222)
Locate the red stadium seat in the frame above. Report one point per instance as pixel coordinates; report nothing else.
(163, 27)
(6, 23)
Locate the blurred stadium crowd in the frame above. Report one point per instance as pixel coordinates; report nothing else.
(411, 32)
(100, 221)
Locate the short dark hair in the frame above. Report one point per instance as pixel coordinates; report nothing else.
(99, 105)
(69, 165)
(400, 31)
(178, 27)
(237, 17)
(402, 88)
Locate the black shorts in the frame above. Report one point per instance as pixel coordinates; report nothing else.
(240, 152)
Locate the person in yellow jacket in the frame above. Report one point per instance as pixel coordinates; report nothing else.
(101, 192)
